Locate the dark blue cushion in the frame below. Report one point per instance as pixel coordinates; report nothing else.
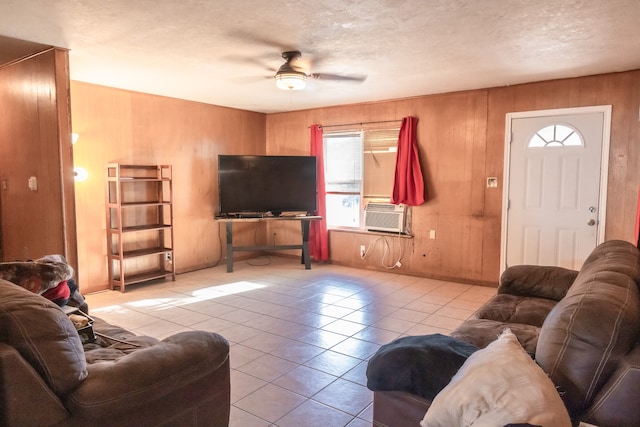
(421, 365)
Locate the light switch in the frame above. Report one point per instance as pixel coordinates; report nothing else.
(492, 182)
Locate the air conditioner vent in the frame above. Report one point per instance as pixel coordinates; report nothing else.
(382, 207)
(385, 217)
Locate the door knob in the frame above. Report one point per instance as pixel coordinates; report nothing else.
(591, 222)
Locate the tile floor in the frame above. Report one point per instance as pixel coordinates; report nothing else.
(300, 339)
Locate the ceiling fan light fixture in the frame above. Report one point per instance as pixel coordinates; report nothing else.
(291, 80)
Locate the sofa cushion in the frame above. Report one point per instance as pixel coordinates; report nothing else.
(594, 326)
(421, 365)
(496, 386)
(482, 332)
(540, 281)
(516, 309)
(113, 342)
(43, 335)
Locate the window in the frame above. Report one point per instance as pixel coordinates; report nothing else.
(359, 165)
(556, 136)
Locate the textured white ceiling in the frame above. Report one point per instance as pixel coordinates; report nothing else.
(225, 52)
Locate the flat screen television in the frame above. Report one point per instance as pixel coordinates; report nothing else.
(263, 184)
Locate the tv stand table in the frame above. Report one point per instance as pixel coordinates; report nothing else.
(304, 222)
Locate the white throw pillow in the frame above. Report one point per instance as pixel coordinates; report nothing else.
(498, 385)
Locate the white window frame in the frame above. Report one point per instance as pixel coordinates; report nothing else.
(378, 142)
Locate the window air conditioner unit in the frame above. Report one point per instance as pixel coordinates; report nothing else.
(385, 217)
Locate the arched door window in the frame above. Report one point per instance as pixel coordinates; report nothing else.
(556, 136)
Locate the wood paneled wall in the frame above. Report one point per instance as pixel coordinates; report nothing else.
(461, 143)
(35, 141)
(135, 128)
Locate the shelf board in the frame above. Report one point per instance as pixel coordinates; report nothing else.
(126, 166)
(141, 252)
(143, 277)
(146, 227)
(149, 203)
(137, 179)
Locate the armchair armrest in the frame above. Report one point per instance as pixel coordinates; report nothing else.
(537, 281)
(146, 379)
(22, 390)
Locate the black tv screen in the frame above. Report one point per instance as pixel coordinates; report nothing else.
(261, 184)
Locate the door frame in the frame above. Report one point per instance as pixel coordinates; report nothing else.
(604, 166)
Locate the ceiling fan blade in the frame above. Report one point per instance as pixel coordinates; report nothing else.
(250, 79)
(325, 76)
(250, 61)
(256, 39)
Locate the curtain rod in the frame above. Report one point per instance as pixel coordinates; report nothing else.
(360, 123)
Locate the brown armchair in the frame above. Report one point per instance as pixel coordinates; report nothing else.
(47, 377)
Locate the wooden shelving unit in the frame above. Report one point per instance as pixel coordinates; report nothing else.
(139, 209)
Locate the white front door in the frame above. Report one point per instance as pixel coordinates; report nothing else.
(555, 186)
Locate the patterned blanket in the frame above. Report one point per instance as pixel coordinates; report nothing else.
(37, 276)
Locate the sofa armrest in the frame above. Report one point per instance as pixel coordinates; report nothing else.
(616, 403)
(140, 379)
(537, 281)
(22, 390)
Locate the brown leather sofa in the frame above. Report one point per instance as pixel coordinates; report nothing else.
(48, 378)
(582, 327)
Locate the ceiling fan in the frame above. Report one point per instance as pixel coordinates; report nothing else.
(292, 75)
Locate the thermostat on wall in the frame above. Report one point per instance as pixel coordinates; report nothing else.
(33, 183)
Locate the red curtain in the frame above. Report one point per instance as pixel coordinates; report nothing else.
(318, 234)
(408, 184)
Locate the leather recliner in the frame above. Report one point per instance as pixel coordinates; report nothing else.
(48, 378)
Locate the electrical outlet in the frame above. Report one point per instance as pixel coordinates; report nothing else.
(168, 256)
(432, 234)
(363, 251)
